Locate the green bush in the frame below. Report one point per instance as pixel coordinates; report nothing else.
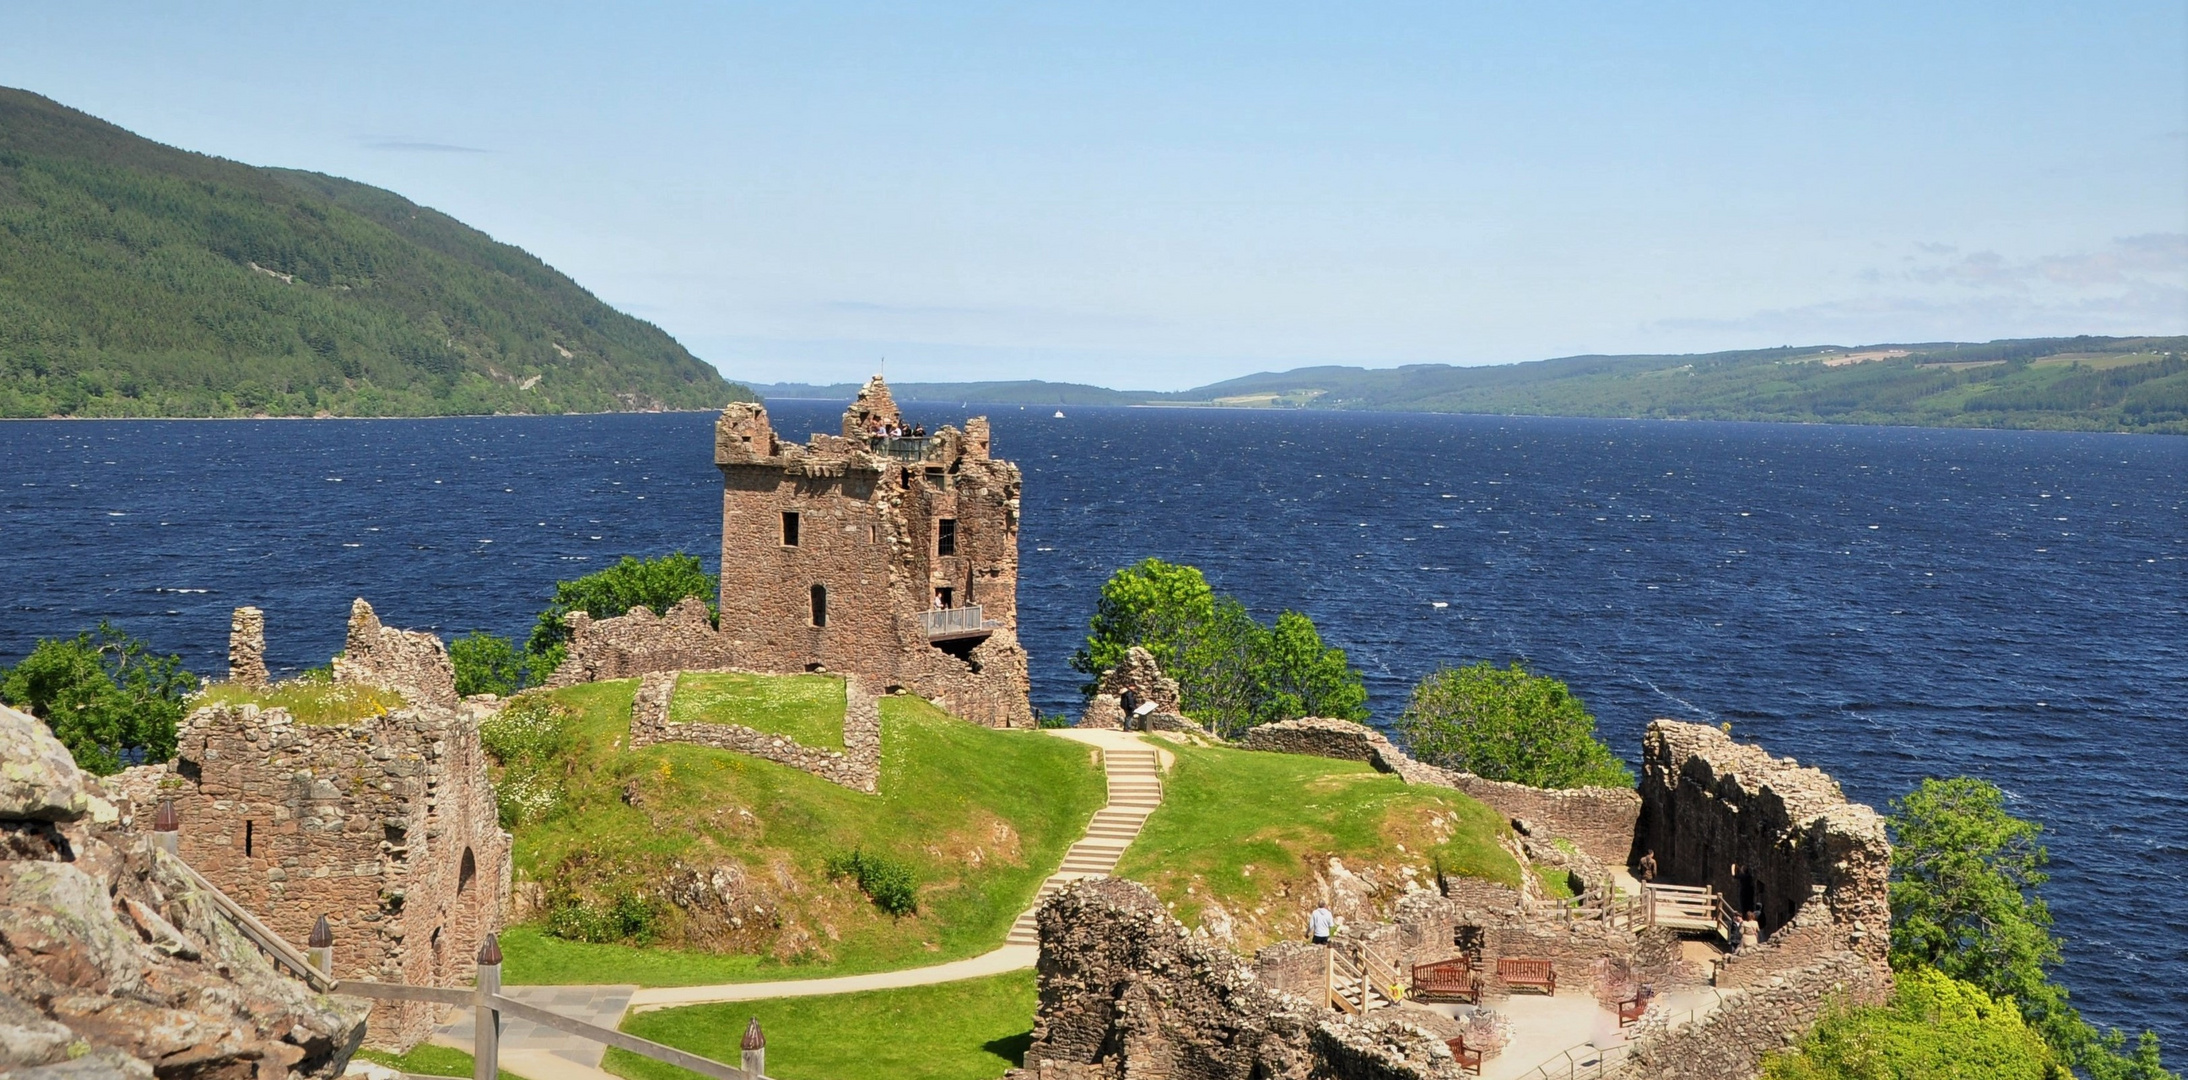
(1934, 1028)
(1509, 724)
(525, 738)
(627, 917)
(886, 881)
(657, 584)
(106, 696)
(486, 664)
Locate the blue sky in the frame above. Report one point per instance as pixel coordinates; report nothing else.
(1163, 195)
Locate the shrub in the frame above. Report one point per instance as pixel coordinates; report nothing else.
(1935, 1026)
(525, 738)
(106, 696)
(886, 881)
(627, 917)
(486, 664)
(1509, 724)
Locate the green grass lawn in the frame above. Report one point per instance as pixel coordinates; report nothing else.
(426, 1059)
(1251, 829)
(981, 817)
(310, 701)
(969, 1030)
(807, 708)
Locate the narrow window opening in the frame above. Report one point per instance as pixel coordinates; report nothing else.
(790, 528)
(248, 829)
(820, 605)
(466, 873)
(945, 537)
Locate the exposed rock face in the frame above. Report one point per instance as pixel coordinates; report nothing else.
(113, 965)
(412, 662)
(1126, 991)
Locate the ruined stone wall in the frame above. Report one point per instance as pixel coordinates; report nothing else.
(639, 642)
(247, 647)
(1765, 832)
(410, 661)
(869, 542)
(386, 826)
(857, 766)
(1729, 1044)
(1126, 991)
(1599, 821)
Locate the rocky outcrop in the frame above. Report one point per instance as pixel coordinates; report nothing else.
(112, 964)
(1127, 991)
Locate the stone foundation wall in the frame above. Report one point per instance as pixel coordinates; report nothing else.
(857, 766)
(1599, 821)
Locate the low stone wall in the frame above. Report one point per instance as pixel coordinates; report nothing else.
(640, 642)
(1599, 821)
(1731, 1042)
(857, 766)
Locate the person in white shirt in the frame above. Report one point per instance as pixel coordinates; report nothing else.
(1319, 924)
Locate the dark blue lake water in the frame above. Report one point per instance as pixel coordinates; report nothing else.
(1884, 603)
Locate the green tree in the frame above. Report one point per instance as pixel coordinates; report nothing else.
(106, 696)
(486, 664)
(657, 584)
(1508, 724)
(1159, 606)
(1232, 672)
(1934, 1028)
(1965, 901)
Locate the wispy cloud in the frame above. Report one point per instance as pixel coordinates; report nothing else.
(407, 146)
(2135, 284)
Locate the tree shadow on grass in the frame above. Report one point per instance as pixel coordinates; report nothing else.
(1011, 1048)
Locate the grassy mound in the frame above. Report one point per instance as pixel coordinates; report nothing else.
(677, 865)
(309, 701)
(968, 1030)
(806, 708)
(1250, 832)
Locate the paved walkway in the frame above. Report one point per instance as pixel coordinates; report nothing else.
(602, 1005)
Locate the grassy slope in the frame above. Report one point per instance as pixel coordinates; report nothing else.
(981, 816)
(127, 289)
(807, 708)
(1252, 830)
(968, 1030)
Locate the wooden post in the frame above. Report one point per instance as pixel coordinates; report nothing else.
(486, 1019)
(321, 944)
(167, 828)
(755, 1051)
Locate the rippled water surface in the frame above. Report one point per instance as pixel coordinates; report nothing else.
(1884, 603)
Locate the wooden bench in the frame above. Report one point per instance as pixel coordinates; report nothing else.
(1630, 1010)
(1469, 1060)
(1518, 971)
(1453, 978)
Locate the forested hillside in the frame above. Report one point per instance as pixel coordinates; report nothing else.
(141, 280)
(2089, 383)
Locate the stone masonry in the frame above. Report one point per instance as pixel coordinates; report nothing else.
(247, 647)
(895, 560)
(1140, 674)
(639, 642)
(386, 825)
(857, 766)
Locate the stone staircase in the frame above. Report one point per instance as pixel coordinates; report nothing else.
(1135, 789)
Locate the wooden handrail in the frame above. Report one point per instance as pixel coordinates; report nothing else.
(259, 933)
(619, 1040)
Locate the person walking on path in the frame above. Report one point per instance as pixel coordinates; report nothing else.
(1647, 866)
(1320, 923)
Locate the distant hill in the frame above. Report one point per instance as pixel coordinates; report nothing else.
(1022, 392)
(141, 280)
(2081, 383)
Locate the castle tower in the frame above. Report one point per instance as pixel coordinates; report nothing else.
(891, 558)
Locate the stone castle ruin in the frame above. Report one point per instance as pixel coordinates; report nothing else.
(884, 558)
(1126, 989)
(385, 825)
